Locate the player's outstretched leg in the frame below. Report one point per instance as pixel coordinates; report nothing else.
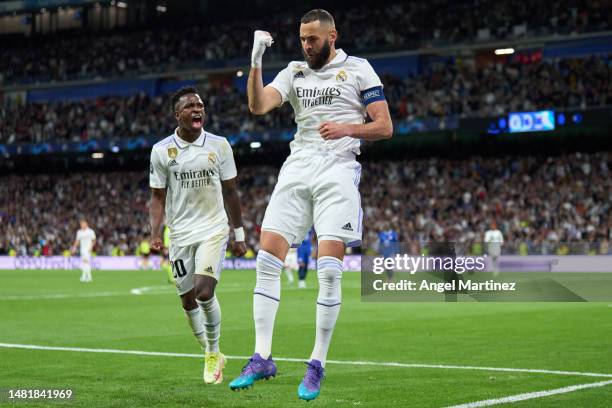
(214, 360)
(266, 298)
(329, 272)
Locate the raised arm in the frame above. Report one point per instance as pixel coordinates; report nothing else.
(261, 100)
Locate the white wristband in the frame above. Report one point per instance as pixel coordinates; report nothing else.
(239, 233)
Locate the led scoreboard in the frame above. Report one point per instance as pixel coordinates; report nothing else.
(531, 121)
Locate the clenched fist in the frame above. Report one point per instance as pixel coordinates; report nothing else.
(261, 40)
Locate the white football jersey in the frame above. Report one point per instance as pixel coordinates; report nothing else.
(338, 92)
(192, 174)
(85, 237)
(494, 236)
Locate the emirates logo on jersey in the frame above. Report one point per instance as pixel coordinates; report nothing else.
(311, 97)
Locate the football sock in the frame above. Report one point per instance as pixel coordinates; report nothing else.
(329, 272)
(194, 317)
(266, 298)
(211, 312)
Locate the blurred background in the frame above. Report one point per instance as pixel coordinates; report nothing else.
(502, 112)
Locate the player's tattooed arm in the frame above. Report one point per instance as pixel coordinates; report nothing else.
(232, 205)
(156, 217)
(381, 126)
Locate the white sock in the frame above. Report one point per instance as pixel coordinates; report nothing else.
(196, 322)
(329, 272)
(88, 277)
(266, 298)
(289, 274)
(211, 312)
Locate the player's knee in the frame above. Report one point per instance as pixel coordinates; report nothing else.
(329, 272)
(188, 301)
(205, 292)
(268, 266)
(329, 269)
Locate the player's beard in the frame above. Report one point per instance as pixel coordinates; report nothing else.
(319, 59)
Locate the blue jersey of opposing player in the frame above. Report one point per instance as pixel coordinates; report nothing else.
(305, 248)
(388, 243)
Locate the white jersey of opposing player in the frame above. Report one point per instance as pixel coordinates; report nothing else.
(85, 237)
(338, 92)
(192, 174)
(494, 236)
(494, 240)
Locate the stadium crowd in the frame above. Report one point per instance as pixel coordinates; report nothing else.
(536, 201)
(455, 88)
(123, 117)
(364, 28)
(461, 88)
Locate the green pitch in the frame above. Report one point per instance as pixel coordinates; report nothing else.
(52, 308)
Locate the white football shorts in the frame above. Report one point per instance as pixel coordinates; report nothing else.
(494, 249)
(202, 258)
(319, 188)
(85, 256)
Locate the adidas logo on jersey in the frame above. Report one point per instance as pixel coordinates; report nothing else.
(172, 163)
(299, 74)
(209, 270)
(347, 227)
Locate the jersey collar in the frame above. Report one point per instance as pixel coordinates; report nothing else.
(338, 59)
(182, 144)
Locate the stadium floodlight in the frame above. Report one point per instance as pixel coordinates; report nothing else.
(98, 155)
(239, 74)
(122, 4)
(504, 51)
(161, 8)
(255, 145)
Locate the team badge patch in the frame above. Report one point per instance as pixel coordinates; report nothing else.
(212, 158)
(172, 152)
(341, 76)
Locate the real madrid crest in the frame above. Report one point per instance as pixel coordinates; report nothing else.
(341, 76)
(172, 152)
(212, 158)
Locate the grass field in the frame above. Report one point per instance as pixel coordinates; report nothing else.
(52, 308)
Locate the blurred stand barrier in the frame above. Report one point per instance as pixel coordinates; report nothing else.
(130, 263)
(507, 263)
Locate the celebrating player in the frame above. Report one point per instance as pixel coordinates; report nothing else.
(331, 93)
(192, 174)
(86, 237)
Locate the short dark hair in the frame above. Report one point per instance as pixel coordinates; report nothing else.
(318, 14)
(183, 91)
